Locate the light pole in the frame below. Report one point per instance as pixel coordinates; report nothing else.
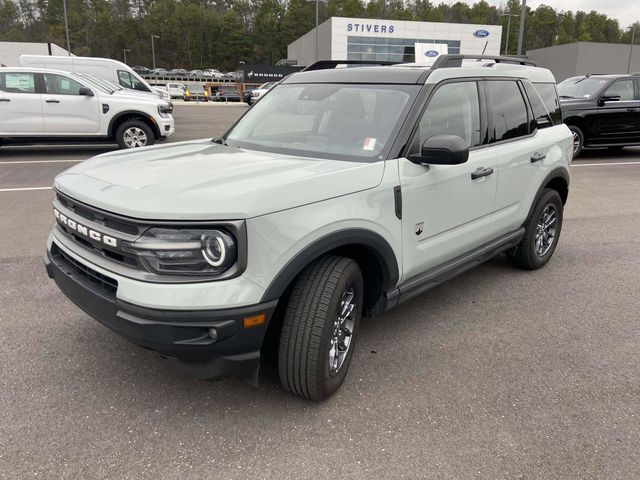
(633, 40)
(523, 13)
(124, 52)
(153, 51)
(317, 2)
(506, 47)
(66, 25)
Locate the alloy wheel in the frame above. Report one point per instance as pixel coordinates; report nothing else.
(342, 330)
(546, 230)
(135, 137)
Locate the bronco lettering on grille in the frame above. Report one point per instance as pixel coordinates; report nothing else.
(84, 230)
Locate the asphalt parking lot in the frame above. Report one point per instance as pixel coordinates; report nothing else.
(497, 374)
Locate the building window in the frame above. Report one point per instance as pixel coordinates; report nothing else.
(390, 49)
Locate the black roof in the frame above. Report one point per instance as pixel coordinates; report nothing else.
(389, 75)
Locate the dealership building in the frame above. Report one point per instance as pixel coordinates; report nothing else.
(341, 38)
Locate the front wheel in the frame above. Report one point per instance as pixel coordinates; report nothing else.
(320, 327)
(133, 134)
(542, 232)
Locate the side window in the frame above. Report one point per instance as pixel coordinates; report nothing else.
(129, 81)
(540, 113)
(17, 82)
(549, 96)
(60, 85)
(510, 116)
(454, 109)
(624, 88)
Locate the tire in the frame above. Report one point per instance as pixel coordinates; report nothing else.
(310, 327)
(537, 246)
(134, 134)
(578, 140)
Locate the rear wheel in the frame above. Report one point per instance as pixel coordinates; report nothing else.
(133, 134)
(542, 232)
(320, 326)
(578, 140)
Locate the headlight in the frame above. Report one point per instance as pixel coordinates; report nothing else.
(165, 110)
(185, 251)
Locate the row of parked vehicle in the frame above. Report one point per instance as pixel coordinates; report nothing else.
(197, 92)
(181, 72)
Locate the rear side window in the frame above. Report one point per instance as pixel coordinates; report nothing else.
(540, 113)
(510, 114)
(17, 82)
(549, 96)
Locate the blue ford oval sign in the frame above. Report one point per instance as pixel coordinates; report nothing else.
(432, 53)
(481, 33)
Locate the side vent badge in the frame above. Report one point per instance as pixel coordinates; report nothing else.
(419, 228)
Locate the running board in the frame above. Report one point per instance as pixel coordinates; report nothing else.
(434, 277)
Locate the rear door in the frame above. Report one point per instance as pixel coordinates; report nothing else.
(20, 104)
(66, 112)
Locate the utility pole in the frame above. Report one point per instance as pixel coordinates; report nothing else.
(66, 25)
(506, 47)
(523, 14)
(317, 2)
(633, 40)
(124, 51)
(153, 50)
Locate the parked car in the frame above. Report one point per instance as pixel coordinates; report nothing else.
(196, 93)
(227, 94)
(195, 73)
(212, 73)
(100, 67)
(176, 90)
(141, 70)
(602, 110)
(343, 194)
(231, 75)
(178, 72)
(246, 96)
(261, 90)
(159, 72)
(44, 105)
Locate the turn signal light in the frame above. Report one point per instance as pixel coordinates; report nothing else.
(254, 321)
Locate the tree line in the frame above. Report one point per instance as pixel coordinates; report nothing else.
(221, 33)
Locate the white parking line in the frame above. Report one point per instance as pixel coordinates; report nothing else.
(16, 162)
(603, 164)
(23, 189)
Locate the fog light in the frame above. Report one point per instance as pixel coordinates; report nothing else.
(213, 334)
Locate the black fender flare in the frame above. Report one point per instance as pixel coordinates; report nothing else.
(126, 113)
(558, 172)
(353, 236)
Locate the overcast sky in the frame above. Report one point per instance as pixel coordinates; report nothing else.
(625, 11)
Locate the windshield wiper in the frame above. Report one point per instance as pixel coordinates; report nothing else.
(566, 96)
(220, 141)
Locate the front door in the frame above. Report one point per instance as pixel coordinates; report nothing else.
(618, 121)
(445, 211)
(66, 112)
(20, 105)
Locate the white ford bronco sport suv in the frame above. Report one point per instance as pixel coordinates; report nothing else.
(42, 105)
(342, 193)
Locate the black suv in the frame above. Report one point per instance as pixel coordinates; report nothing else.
(602, 110)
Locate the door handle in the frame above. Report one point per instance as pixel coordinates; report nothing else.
(5, 99)
(537, 157)
(53, 101)
(632, 109)
(481, 172)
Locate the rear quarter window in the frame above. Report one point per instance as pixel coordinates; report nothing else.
(540, 112)
(549, 97)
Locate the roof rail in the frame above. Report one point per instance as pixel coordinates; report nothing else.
(447, 61)
(329, 64)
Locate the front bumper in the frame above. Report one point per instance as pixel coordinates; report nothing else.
(181, 336)
(167, 127)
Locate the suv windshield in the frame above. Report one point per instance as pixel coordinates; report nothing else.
(343, 122)
(581, 87)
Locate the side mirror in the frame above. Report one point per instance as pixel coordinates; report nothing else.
(86, 91)
(608, 98)
(442, 150)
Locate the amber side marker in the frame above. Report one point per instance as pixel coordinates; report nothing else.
(254, 321)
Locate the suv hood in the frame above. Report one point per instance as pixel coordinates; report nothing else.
(201, 180)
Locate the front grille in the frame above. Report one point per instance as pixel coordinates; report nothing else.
(101, 283)
(100, 217)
